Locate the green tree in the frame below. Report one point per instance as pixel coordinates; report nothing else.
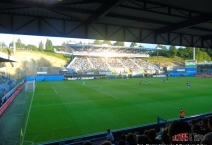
(31, 47)
(2, 45)
(172, 51)
(19, 44)
(40, 47)
(49, 46)
(189, 52)
(107, 42)
(185, 52)
(11, 44)
(208, 51)
(202, 56)
(161, 50)
(119, 43)
(97, 42)
(133, 44)
(140, 46)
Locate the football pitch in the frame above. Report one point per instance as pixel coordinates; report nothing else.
(67, 109)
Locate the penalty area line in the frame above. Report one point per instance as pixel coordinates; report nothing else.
(54, 90)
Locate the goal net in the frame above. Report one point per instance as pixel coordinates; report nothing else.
(30, 86)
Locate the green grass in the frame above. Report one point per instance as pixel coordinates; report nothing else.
(76, 109)
(58, 55)
(163, 59)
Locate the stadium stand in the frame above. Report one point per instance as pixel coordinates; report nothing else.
(7, 84)
(103, 59)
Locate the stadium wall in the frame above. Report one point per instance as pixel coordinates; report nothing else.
(45, 78)
(174, 74)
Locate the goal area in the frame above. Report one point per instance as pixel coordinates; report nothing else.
(30, 86)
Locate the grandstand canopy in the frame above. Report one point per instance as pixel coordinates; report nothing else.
(173, 22)
(7, 58)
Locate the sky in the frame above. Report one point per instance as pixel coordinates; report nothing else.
(35, 40)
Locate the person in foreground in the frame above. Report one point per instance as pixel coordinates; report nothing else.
(110, 135)
(207, 139)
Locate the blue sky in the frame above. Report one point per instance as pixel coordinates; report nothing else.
(35, 40)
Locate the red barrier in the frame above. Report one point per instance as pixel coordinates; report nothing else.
(10, 100)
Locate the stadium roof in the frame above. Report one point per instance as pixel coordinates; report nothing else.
(7, 58)
(172, 22)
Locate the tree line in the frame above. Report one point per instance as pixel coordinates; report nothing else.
(41, 47)
(202, 54)
(117, 43)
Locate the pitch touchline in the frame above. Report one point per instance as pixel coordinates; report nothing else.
(22, 141)
(54, 90)
(73, 103)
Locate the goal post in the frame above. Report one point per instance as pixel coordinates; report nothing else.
(30, 86)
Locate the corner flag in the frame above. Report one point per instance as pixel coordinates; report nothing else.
(21, 133)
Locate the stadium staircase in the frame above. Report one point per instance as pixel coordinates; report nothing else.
(110, 68)
(71, 62)
(90, 62)
(141, 68)
(126, 68)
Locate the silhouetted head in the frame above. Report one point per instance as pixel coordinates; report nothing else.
(178, 127)
(143, 139)
(87, 143)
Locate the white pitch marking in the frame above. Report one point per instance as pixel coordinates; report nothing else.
(18, 114)
(100, 91)
(32, 143)
(54, 90)
(22, 141)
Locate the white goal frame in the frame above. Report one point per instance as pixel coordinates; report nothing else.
(30, 86)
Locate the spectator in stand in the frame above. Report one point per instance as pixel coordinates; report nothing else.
(116, 141)
(178, 127)
(131, 139)
(207, 139)
(146, 132)
(205, 129)
(165, 137)
(152, 136)
(136, 134)
(110, 135)
(200, 122)
(87, 143)
(124, 138)
(196, 129)
(122, 142)
(143, 139)
(106, 143)
(193, 122)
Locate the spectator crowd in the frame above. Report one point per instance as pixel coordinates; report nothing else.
(192, 132)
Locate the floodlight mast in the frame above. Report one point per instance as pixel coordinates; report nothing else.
(14, 48)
